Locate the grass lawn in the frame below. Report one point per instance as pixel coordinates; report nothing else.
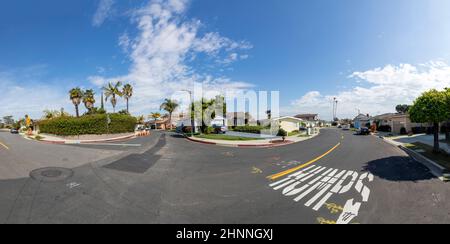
(226, 137)
(442, 158)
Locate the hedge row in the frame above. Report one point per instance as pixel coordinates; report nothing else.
(249, 129)
(89, 125)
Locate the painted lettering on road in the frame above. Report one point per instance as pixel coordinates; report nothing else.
(315, 185)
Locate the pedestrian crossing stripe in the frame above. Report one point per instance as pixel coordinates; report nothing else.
(318, 184)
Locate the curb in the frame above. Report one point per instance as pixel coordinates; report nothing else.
(89, 141)
(240, 145)
(435, 169)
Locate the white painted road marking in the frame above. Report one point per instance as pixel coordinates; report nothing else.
(324, 183)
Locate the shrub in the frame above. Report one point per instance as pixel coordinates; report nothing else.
(88, 125)
(249, 129)
(282, 133)
(403, 131)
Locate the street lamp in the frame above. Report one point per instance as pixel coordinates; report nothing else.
(192, 112)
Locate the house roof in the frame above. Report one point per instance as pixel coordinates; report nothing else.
(301, 116)
(362, 117)
(288, 117)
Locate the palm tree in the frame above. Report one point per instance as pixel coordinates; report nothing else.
(89, 99)
(170, 106)
(113, 91)
(127, 92)
(155, 116)
(76, 94)
(269, 114)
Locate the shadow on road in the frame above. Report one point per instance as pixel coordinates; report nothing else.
(398, 169)
(177, 136)
(139, 163)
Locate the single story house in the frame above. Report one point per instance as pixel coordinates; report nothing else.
(361, 121)
(288, 123)
(397, 121)
(308, 117)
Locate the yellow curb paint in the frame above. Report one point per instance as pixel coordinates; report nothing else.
(3, 145)
(289, 171)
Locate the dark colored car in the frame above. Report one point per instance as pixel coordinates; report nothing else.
(14, 131)
(218, 129)
(364, 131)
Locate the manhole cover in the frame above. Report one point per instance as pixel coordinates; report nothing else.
(51, 174)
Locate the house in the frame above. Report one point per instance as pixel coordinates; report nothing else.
(309, 120)
(308, 117)
(361, 121)
(288, 123)
(396, 122)
(161, 124)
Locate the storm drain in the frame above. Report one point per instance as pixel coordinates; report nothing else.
(51, 174)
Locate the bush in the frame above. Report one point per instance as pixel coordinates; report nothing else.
(249, 129)
(282, 133)
(88, 125)
(403, 131)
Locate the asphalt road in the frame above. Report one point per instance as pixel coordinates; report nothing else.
(336, 177)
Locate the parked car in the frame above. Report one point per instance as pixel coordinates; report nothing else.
(346, 127)
(14, 131)
(219, 129)
(364, 131)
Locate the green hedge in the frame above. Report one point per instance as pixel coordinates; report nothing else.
(249, 129)
(88, 125)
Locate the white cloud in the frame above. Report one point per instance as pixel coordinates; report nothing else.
(161, 51)
(25, 93)
(103, 12)
(379, 90)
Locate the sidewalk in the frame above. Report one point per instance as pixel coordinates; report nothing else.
(83, 139)
(273, 142)
(422, 138)
(402, 142)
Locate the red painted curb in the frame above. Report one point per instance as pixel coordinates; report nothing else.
(241, 145)
(81, 142)
(203, 142)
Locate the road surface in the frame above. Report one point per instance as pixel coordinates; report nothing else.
(336, 177)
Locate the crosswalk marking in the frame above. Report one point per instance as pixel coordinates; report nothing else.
(318, 184)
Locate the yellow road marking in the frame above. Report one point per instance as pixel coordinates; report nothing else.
(324, 221)
(3, 145)
(289, 171)
(256, 171)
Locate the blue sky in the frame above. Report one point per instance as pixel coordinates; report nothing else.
(370, 54)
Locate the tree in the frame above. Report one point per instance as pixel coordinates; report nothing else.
(112, 91)
(140, 119)
(155, 117)
(89, 100)
(127, 92)
(8, 120)
(169, 106)
(76, 95)
(447, 124)
(431, 107)
(402, 108)
(269, 114)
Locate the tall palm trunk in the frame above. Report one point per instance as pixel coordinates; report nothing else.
(436, 138)
(170, 121)
(77, 111)
(128, 111)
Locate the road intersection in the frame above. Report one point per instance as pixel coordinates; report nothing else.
(336, 177)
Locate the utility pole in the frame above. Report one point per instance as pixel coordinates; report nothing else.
(192, 113)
